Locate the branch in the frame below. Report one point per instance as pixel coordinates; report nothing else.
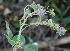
(64, 40)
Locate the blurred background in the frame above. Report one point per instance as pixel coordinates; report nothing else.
(44, 36)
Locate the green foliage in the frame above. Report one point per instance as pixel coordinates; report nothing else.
(9, 31)
(56, 8)
(27, 40)
(13, 41)
(47, 4)
(10, 41)
(22, 39)
(62, 8)
(15, 38)
(31, 48)
(56, 20)
(34, 47)
(17, 25)
(28, 49)
(9, 36)
(66, 19)
(56, 1)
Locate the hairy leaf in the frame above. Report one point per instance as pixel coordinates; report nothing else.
(28, 49)
(10, 41)
(22, 39)
(34, 47)
(15, 38)
(9, 31)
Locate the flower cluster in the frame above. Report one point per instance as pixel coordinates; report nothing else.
(60, 30)
(36, 5)
(51, 12)
(40, 11)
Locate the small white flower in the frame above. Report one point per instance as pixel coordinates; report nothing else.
(50, 21)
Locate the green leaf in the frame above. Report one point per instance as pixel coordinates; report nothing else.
(56, 1)
(27, 40)
(47, 4)
(56, 8)
(15, 38)
(22, 39)
(34, 47)
(66, 19)
(28, 49)
(34, 39)
(10, 41)
(62, 8)
(17, 25)
(9, 31)
(55, 19)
